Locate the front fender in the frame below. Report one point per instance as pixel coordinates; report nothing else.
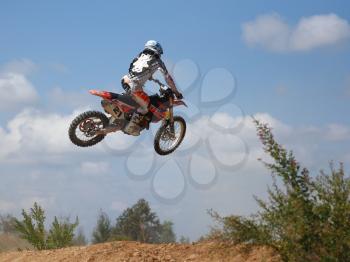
(103, 94)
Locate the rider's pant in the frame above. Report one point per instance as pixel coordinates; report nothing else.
(139, 96)
(142, 99)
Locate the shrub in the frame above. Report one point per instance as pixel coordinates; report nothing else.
(103, 229)
(304, 219)
(61, 233)
(32, 229)
(167, 234)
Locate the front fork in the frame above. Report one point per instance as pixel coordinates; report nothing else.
(171, 116)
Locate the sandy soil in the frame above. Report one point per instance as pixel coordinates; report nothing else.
(10, 242)
(134, 251)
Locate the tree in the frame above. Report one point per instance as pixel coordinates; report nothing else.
(61, 233)
(32, 229)
(103, 229)
(138, 223)
(304, 219)
(7, 224)
(333, 212)
(167, 234)
(80, 239)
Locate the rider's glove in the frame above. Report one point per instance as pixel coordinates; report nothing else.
(179, 95)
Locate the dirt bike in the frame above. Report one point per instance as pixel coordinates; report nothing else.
(91, 127)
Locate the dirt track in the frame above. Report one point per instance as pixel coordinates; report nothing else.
(133, 251)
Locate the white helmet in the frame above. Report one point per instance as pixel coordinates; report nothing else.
(154, 46)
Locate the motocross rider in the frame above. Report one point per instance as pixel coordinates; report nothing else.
(142, 69)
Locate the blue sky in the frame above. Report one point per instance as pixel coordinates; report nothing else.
(285, 70)
(96, 42)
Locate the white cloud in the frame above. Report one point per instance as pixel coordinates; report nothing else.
(90, 167)
(19, 66)
(35, 135)
(319, 30)
(15, 88)
(71, 99)
(336, 132)
(16, 91)
(207, 126)
(35, 132)
(270, 31)
(304, 141)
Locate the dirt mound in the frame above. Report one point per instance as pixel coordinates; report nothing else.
(134, 251)
(9, 242)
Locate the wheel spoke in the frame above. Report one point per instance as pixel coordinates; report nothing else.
(166, 142)
(87, 127)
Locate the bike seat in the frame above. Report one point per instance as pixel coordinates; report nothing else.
(155, 100)
(127, 99)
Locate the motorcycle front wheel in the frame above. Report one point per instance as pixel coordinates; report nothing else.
(165, 142)
(82, 130)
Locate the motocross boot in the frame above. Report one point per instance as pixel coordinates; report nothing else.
(133, 127)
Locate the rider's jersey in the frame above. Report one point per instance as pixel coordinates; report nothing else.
(143, 67)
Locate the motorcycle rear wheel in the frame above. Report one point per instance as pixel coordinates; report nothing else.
(165, 142)
(87, 123)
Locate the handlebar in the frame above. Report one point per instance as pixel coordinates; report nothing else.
(158, 82)
(164, 89)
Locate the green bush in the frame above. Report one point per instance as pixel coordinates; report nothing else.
(304, 219)
(103, 229)
(167, 234)
(61, 233)
(138, 223)
(32, 229)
